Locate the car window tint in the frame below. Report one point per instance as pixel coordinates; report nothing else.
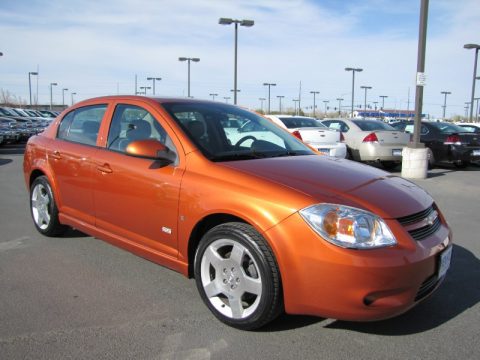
(296, 122)
(446, 128)
(131, 123)
(82, 124)
(372, 125)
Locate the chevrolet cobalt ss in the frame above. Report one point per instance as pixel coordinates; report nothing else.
(264, 224)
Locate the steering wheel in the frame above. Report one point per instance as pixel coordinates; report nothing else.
(243, 139)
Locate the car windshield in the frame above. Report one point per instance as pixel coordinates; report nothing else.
(224, 132)
(446, 128)
(372, 125)
(7, 112)
(299, 122)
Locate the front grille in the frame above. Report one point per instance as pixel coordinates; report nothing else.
(427, 287)
(419, 226)
(411, 219)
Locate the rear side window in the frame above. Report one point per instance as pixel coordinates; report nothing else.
(82, 124)
(337, 125)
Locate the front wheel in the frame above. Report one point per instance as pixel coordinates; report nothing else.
(237, 276)
(43, 208)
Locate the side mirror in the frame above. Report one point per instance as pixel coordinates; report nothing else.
(151, 149)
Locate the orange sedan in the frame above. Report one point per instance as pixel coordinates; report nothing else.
(261, 221)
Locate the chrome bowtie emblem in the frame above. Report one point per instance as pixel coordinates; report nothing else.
(432, 217)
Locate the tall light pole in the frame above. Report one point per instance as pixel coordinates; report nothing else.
(340, 106)
(467, 105)
(51, 94)
(365, 101)
(445, 102)
(375, 103)
(63, 96)
(145, 88)
(30, 84)
(383, 100)
(476, 109)
(213, 96)
(73, 93)
(269, 86)
(314, 106)
(226, 98)
(353, 70)
(153, 79)
(247, 23)
(295, 101)
(280, 97)
(325, 102)
(188, 60)
(261, 102)
(476, 47)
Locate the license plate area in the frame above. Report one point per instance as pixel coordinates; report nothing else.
(397, 152)
(324, 151)
(444, 262)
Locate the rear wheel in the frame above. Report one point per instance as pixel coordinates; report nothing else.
(237, 276)
(431, 159)
(44, 209)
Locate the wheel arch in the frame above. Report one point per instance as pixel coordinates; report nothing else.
(201, 228)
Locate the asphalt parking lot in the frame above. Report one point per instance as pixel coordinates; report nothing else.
(79, 297)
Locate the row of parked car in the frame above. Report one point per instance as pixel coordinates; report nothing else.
(19, 124)
(368, 140)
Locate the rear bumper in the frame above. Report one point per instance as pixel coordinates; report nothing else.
(378, 152)
(324, 280)
(462, 153)
(338, 150)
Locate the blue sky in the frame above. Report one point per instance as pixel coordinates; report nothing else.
(95, 48)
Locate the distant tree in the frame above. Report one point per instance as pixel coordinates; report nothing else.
(8, 99)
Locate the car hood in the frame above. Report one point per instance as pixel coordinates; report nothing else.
(326, 179)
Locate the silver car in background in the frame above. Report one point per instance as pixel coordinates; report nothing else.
(314, 133)
(371, 140)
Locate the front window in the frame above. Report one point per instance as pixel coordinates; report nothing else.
(209, 126)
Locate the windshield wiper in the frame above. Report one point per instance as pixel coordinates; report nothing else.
(237, 156)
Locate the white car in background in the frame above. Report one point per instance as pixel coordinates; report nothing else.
(313, 133)
(470, 127)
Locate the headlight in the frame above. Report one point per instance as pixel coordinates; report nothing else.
(348, 227)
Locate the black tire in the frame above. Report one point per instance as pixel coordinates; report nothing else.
(257, 265)
(389, 165)
(430, 159)
(43, 208)
(461, 164)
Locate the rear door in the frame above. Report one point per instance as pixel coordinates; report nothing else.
(71, 161)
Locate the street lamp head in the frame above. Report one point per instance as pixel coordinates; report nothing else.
(471, 46)
(1, 54)
(225, 21)
(195, 59)
(182, 59)
(53, 84)
(247, 23)
(365, 87)
(353, 69)
(446, 92)
(73, 93)
(65, 89)
(33, 73)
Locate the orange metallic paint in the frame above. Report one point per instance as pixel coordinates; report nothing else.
(153, 211)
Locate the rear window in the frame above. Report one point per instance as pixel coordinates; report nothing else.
(372, 125)
(298, 122)
(446, 128)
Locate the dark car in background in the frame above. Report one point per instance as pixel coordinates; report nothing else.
(446, 142)
(8, 130)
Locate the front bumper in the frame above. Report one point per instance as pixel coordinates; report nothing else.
(324, 280)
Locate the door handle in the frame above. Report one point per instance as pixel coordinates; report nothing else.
(56, 155)
(105, 168)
